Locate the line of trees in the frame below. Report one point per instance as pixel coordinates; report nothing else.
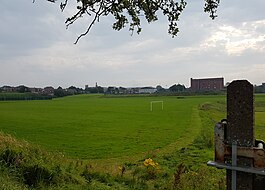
(23, 96)
(26, 93)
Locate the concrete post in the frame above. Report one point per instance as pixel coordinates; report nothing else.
(240, 129)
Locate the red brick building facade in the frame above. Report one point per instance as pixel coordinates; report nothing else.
(207, 84)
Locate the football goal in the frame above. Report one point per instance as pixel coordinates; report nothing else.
(156, 102)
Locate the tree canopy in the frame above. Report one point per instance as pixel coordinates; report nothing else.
(177, 88)
(131, 12)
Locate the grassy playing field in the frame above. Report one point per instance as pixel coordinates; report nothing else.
(260, 117)
(94, 126)
(114, 133)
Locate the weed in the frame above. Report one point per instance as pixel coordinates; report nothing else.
(122, 169)
(151, 168)
(179, 171)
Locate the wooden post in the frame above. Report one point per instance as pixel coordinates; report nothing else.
(240, 129)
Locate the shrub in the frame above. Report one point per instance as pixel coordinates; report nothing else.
(11, 157)
(35, 175)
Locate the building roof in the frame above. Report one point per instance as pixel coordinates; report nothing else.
(216, 78)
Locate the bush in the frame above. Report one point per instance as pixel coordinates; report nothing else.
(11, 157)
(36, 175)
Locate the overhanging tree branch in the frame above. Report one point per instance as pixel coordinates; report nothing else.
(132, 12)
(96, 17)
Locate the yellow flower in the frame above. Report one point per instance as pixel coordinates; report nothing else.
(150, 162)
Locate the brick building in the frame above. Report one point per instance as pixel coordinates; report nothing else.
(207, 84)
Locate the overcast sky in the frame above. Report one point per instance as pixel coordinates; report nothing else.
(36, 49)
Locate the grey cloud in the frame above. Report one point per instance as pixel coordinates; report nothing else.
(23, 28)
(238, 11)
(41, 48)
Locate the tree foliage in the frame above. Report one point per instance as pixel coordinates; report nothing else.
(177, 88)
(132, 12)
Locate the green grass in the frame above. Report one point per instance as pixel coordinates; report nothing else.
(260, 117)
(117, 131)
(92, 126)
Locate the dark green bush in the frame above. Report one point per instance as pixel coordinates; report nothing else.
(11, 157)
(35, 175)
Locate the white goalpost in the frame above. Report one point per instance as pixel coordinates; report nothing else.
(156, 102)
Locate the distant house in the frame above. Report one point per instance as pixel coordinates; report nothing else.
(112, 90)
(36, 90)
(134, 90)
(8, 89)
(207, 84)
(123, 90)
(147, 90)
(260, 89)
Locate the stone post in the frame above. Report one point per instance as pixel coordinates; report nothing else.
(240, 129)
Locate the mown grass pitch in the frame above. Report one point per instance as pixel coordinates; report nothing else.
(110, 129)
(95, 126)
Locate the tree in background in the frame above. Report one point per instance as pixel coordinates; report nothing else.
(259, 89)
(177, 88)
(60, 92)
(22, 89)
(131, 12)
(159, 88)
(97, 89)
